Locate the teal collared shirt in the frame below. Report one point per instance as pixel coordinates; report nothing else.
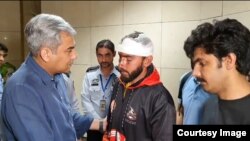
(35, 107)
(194, 98)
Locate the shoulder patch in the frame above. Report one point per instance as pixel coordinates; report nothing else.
(92, 68)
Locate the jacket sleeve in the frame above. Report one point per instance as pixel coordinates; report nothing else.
(82, 123)
(163, 116)
(113, 95)
(23, 110)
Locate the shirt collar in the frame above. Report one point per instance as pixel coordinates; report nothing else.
(46, 78)
(114, 71)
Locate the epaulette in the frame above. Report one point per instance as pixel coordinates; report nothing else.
(92, 68)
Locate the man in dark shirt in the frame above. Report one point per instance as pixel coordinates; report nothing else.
(221, 66)
(35, 105)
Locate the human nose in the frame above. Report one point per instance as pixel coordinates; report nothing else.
(74, 55)
(1, 58)
(103, 59)
(196, 71)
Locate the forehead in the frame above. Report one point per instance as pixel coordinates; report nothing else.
(200, 54)
(66, 36)
(3, 52)
(103, 50)
(67, 40)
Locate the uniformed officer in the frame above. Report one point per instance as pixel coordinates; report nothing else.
(97, 85)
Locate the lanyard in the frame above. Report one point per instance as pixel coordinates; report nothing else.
(106, 85)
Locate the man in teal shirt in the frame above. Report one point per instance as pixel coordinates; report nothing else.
(193, 99)
(35, 105)
(193, 96)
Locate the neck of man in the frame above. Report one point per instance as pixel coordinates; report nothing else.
(139, 77)
(106, 71)
(237, 87)
(43, 64)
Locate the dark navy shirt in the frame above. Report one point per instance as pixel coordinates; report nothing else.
(35, 107)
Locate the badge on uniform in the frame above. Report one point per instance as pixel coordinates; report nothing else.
(102, 105)
(95, 82)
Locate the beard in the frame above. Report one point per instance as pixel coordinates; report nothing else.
(131, 76)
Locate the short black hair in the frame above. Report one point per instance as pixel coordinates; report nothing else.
(3, 48)
(231, 36)
(221, 38)
(200, 36)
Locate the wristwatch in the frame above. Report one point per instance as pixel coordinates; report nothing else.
(101, 126)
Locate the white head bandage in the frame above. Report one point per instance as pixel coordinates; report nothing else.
(141, 46)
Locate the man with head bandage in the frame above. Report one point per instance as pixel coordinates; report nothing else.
(141, 107)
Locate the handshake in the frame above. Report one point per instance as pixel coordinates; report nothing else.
(99, 124)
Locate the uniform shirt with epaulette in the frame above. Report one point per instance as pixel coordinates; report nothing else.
(96, 93)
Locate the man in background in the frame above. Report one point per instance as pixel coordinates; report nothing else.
(191, 101)
(3, 54)
(71, 92)
(192, 96)
(98, 85)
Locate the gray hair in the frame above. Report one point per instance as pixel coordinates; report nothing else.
(44, 30)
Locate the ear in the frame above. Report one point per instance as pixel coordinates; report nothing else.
(148, 61)
(45, 54)
(230, 61)
(114, 54)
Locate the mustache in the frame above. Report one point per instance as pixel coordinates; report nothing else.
(103, 63)
(200, 79)
(122, 70)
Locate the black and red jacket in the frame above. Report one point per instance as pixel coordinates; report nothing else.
(144, 111)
